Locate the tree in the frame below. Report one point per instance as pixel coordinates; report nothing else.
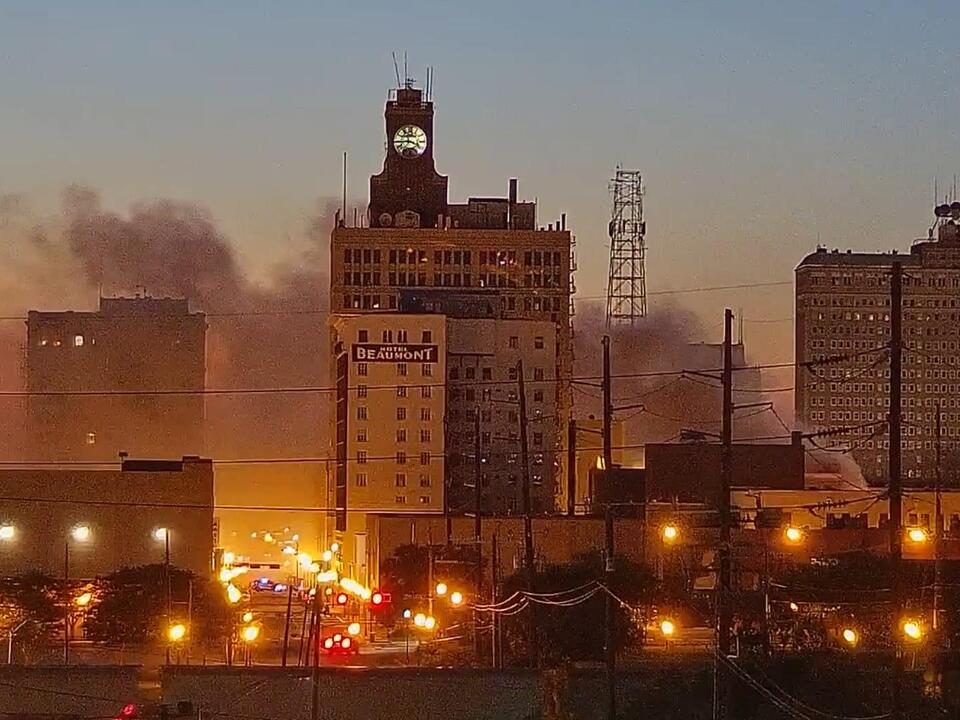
(131, 607)
(576, 633)
(30, 602)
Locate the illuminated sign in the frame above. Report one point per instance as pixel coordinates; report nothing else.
(396, 353)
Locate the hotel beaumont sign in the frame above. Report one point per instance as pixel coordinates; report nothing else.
(396, 353)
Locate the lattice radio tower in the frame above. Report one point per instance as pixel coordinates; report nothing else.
(627, 282)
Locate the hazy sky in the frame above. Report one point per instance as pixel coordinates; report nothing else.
(759, 126)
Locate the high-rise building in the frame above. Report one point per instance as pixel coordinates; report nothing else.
(843, 309)
(489, 252)
(127, 378)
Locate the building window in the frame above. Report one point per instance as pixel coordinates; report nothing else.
(425, 435)
(401, 434)
(538, 395)
(400, 500)
(514, 341)
(471, 394)
(470, 373)
(361, 412)
(538, 373)
(426, 369)
(424, 499)
(401, 413)
(512, 373)
(426, 392)
(486, 373)
(362, 369)
(402, 369)
(425, 414)
(401, 391)
(538, 439)
(361, 480)
(78, 340)
(387, 336)
(361, 435)
(361, 457)
(538, 342)
(401, 457)
(363, 336)
(400, 480)
(424, 480)
(91, 438)
(424, 458)
(454, 373)
(401, 336)
(426, 336)
(361, 391)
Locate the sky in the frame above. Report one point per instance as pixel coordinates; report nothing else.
(761, 128)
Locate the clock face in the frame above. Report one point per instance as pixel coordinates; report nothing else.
(410, 141)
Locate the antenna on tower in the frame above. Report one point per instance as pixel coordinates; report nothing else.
(396, 69)
(627, 281)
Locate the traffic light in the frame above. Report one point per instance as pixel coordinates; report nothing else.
(342, 598)
(379, 598)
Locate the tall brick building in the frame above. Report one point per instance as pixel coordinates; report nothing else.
(489, 253)
(127, 378)
(843, 308)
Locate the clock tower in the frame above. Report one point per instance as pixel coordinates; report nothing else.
(408, 192)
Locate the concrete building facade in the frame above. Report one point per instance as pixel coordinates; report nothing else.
(121, 508)
(843, 309)
(388, 427)
(127, 378)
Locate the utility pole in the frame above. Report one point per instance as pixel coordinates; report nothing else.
(166, 577)
(315, 673)
(896, 490)
(286, 625)
(937, 535)
(477, 525)
(527, 510)
(610, 645)
(66, 603)
(571, 467)
(724, 609)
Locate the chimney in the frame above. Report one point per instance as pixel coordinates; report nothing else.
(796, 438)
(563, 221)
(513, 191)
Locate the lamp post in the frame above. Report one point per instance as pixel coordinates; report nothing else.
(162, 534)
(79, 533)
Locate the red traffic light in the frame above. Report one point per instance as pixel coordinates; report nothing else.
(342, 599)
(128, 712)
(379, 598)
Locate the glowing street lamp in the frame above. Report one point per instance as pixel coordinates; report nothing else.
(247, 617)
(176, 632)
(441, 589)
(353, 628)
(233, 593)
(83, 599)
(327, 556)
(7, 532)
(160, 534)
(793, 535)
(420, 620)
(430, 623)
(456, 598)
(668, 628)
(794, 607)
(913, 630)
(669, 533)
(81, 533)
(850, 636)
(250, 633)
(917, 535)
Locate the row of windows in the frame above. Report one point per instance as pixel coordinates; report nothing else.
(363, 336)
(366, 301)
(401, 413)
(426, 370)
(76, 341)
(426, 435)
(401, 457)
(883, 280)
(406, 256)
(400, 480)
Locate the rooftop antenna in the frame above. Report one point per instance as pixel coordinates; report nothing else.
(627, 277)
(406, 74)
(396, 69)
(343, 215)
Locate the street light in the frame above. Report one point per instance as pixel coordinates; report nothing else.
(327, 556)
(247, 617)
(669, 533)
(233, 594)
(917, 535)
(913, 630)
(176, 632)
(456, 597)
(83, 599)
(794, 607)
(250, 633)
(7, 532)
(668, 628)
(81, 533)
(441, 589)
(793, 535)
(160, 534)
(430, 623)
(850, 636)
(420, 620)
(353, 628)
